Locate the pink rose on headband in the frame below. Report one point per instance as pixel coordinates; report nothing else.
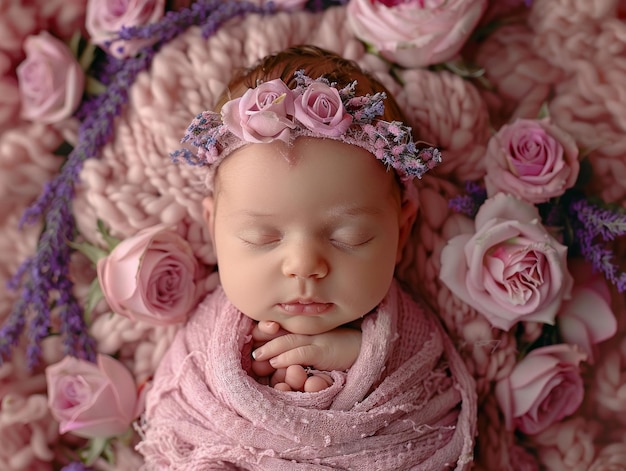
(50, 80)
(415, 33)
(151, 277)
(321, 110)
(543, 388)
(511, 269)
(531, 159)
(105, 18)
(92, 400)
(262, 114)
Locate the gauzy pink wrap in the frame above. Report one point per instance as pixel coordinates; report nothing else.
(407, 403)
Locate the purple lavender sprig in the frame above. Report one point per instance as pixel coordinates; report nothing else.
(209, 14)
(48, 286)
(468, 203)
(590, 223)
(76, 466)
(44, 278)
(603, 221)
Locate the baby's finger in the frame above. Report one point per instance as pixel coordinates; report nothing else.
(305, 356)
(295, 377)
(263, 332)
(278, 377)
(317, 383)
(280, 345)
(268, 327)
(260, 336)
(262, 368)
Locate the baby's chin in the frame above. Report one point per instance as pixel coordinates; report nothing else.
(310, 324)
(306, 325)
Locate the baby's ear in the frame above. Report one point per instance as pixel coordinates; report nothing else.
(209, 215)
(408, 213)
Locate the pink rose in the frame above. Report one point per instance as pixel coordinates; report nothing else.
(531, 159)
(415, 33)
(321, 110)
(92, 400)
(105, 18)
(587, 318)
(511, 269)
(50, 80)
(151, 277)
(543, 388)
(262, 114)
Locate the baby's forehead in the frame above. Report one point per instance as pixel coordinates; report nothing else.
(311, 152)
(312, 163)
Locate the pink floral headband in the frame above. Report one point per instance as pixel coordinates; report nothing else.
(314, 108)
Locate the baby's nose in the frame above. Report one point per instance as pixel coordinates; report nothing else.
(305, 259)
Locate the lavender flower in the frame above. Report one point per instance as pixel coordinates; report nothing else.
(75, 466)
(44, 279)
(591, 222)
(209, 14)
(609, 223)
(468, 204)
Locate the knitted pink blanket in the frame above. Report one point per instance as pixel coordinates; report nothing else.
(407, 403)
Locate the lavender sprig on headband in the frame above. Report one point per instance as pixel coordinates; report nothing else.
(44, 278)
(314, 108)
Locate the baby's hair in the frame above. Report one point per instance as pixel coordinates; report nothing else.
(315, 62)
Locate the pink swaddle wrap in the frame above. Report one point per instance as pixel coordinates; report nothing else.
(407, 403)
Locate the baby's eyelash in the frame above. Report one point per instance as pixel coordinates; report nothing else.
(351, 245)
(261, 242)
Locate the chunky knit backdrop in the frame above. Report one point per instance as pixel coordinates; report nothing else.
(568, 53)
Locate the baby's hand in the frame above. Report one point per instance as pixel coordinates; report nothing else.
(334, 350)
(263, 332)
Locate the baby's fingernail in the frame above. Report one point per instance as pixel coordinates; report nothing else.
(257, 354)
(273, 361)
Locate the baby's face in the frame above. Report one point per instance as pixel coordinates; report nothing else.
(310, 243)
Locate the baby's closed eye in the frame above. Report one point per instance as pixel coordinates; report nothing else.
(351, 237)
(261, 237)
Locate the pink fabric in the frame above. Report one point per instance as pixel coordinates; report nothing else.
(407, 403)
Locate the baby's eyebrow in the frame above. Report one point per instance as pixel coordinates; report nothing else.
(356, 210)
(249, 214)
(335, 213)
